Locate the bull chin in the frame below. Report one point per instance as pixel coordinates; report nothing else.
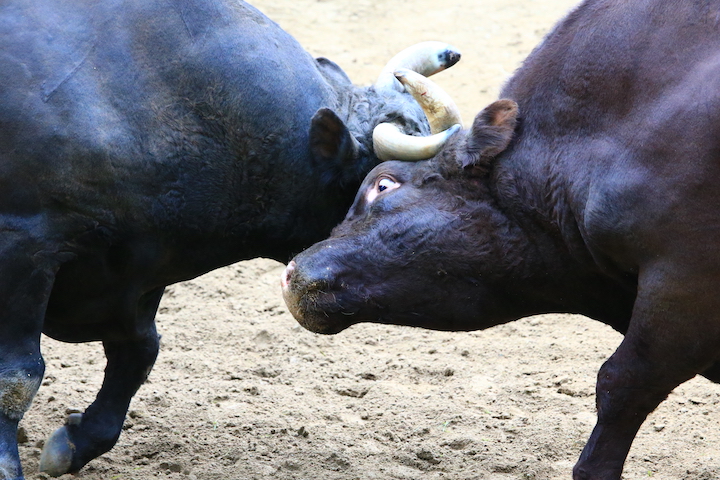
(318, 323)
(316, 326)
(313, 319)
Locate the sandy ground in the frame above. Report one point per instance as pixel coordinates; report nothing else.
(241, 392)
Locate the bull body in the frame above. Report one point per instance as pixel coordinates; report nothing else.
(145, 142)
(591, 188)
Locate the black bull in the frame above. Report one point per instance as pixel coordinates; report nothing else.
(591, 188)
(145, 142)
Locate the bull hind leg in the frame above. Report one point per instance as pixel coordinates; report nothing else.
(26, 280)
(87, 436)
(674, 335)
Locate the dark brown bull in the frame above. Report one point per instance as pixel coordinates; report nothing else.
(592, 188)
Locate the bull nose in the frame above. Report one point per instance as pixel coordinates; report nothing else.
(287, 274)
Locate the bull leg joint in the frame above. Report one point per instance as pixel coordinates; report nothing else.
(17, 392)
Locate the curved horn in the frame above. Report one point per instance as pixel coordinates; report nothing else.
(441, 111)
(390, 143)
(425, 58)
(439, 107)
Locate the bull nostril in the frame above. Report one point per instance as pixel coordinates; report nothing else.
(287, 273)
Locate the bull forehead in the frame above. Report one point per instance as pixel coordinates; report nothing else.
(364, 107)
(408, 188)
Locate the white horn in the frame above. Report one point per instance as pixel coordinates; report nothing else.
(440, 109)
(390, 143)
(425, 58)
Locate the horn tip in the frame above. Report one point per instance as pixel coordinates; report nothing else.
(450, 56)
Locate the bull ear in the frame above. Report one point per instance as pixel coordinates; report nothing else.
(332, 72)
(490, 134)
(331, 143)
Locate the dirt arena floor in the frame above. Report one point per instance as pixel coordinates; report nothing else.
(240, 391)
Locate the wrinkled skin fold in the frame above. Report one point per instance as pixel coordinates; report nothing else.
(589, 188)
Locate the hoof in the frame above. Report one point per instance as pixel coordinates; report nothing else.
(57, 454)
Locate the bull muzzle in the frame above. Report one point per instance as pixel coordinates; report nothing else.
(307, 295)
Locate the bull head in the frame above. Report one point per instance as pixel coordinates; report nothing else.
(345, 149)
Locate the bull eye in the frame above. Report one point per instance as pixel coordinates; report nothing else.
(382, 184)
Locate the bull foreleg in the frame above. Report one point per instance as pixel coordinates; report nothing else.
(24, 289)
(87, 436)
(624, 399)
(672, 337)
(18, 385)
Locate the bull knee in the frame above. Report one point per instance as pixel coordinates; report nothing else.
(18, 388)
(630, 389)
